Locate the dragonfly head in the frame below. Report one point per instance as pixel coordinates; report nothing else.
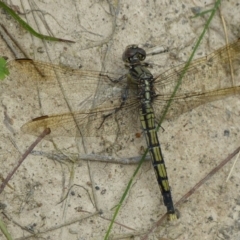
(133, 54)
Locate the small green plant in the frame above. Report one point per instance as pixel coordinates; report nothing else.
(3, 68)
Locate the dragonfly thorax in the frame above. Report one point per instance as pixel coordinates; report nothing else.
(139, 74)
(146, 91)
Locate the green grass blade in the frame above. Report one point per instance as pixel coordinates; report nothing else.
(124, 195)
(189, 61)
(4, 230)
(27, 27)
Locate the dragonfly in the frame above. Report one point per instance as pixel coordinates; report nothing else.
(120, 104)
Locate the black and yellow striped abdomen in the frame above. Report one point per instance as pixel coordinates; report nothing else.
(148, 123)
(142, 77)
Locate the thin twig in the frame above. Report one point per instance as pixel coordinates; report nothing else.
(12, 47)
(192, 190)
(41, 136)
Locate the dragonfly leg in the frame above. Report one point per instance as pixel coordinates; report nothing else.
(114, 80)
(124, 99)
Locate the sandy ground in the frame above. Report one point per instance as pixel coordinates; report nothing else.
(192, 144)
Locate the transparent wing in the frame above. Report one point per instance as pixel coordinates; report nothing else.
(207, 79)
(86, 116)
(93, 123)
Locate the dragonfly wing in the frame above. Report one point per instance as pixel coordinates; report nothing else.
(186, 103)
(93, 100)
(207, 79)
(93, 123)
(62, 85)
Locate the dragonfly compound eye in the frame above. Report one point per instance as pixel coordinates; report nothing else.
(133, 54)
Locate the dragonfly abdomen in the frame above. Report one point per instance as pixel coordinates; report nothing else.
(148, 123)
